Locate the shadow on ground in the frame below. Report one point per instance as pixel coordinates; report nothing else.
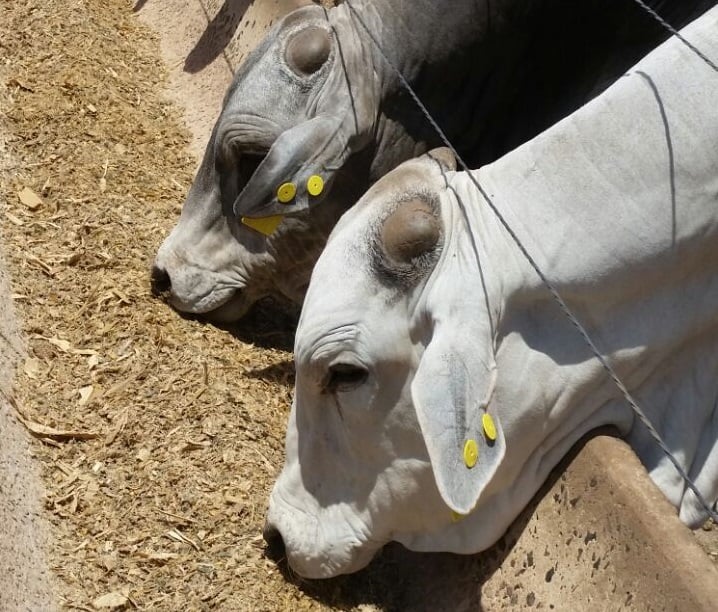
(269, 324)
(217, 35)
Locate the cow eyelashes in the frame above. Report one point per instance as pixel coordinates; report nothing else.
(344, 377)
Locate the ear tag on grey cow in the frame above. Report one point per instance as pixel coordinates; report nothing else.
(285, 194)
(263, 225)
(296, 172)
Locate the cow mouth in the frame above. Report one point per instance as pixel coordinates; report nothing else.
(215, 305)
(233, 309)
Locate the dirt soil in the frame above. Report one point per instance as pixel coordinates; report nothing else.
(25, 583)
(158, 437)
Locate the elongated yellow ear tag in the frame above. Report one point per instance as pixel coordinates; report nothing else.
(471, 453)
(263, 225)
(489, 427)
(456, 517)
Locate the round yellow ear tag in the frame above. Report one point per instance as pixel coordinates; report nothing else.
(489, 426)
(286, 192)
(315, 185)
(471, 453)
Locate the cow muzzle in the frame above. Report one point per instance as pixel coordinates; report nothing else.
(194, 290)
(318, 544)
(160, 283)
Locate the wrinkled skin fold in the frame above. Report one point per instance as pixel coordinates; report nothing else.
(315, 99)
(435, 323)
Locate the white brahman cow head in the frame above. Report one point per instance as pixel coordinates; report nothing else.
(392, 434)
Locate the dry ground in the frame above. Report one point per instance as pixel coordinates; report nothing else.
(166, 433)
(159, 437)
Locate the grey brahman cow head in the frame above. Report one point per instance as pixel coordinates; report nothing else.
(290, 125)
(393, 434)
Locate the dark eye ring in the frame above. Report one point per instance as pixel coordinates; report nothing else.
(344, 377)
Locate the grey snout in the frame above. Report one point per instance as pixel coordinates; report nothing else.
(160, 281)
(275, 543)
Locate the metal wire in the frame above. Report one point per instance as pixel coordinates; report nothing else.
(676, 33)
(554, 292)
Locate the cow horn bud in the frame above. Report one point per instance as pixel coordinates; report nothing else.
(308, 50)
(411, 230)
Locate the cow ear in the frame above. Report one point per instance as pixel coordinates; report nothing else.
(293, 161)
(452, 397)
(444, 157)
(452, 391)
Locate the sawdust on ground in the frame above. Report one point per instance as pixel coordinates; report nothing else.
(25, 582)
(159, 437)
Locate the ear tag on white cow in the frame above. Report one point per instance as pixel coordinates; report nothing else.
(315, 185)
(471, 453)
(489, 427)
(451, 389)
(263, 225)
(286, 192)
(456, 517)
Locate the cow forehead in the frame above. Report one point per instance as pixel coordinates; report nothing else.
(345, 289)
(339, 295)
(273, 85)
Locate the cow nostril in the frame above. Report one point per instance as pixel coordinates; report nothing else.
(160, 281)
(275, 543)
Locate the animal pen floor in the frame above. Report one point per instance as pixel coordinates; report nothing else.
(158, 437)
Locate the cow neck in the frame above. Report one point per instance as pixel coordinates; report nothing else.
(446, 51)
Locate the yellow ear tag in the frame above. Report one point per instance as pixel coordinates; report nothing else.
(286, 192)
(315, 185)
(489, 426)
(263, 225)
(456, 517)
(471, 453)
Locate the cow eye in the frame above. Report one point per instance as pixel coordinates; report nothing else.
(344, 377)
(247, 165)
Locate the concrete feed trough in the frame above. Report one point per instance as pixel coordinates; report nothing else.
(598, 536)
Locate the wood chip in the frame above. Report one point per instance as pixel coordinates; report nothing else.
(86, 394)
(117, 427)
(43, 431)
(157, 557)
(32, 367)
(110, 601)
(63, 345)
(13, 219)
(29, 198)
(178, 536)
